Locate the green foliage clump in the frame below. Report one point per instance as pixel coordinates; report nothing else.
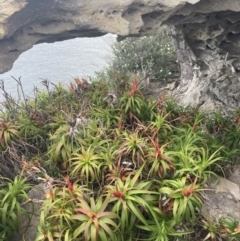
(119, 166)
(151, 57)
(12, 196)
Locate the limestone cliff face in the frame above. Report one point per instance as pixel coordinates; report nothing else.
(24, 23)
(206, 36)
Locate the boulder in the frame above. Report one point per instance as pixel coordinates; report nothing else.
(29, 228)
(222, 197)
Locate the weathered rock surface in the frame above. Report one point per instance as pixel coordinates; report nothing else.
(29, 230)
(206, 35)
(222, 197)
(24, 23)
(210, 63)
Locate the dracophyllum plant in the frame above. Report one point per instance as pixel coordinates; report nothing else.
(164, 229)
(160, 127)
(133, 147)
(181, 198)
(230, 226)
(56, 220)
(133, 200)
(132, 102)
(203, 163)
(12, 195)
(159, 162)
(94, 222)
(86, 164)
(185, 148)
(61, 147)
(8, 132)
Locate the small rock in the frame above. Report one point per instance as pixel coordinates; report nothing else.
(221, 198)
(29, 230)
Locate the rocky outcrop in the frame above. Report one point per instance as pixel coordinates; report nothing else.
(24, 23)
(222, 197)
(208, 51)
(206, 36)
(29, 227)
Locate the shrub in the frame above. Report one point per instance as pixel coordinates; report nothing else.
(11, 197)
(151, 57)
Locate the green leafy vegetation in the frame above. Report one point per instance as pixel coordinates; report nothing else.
(119, 166)
(12, 195)
(118, 172)
(152, 58)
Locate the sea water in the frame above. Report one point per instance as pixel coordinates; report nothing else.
(58, 62)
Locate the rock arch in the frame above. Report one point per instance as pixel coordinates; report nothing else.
(206, 35)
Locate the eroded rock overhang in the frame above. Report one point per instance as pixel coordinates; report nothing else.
(24, 23)
(207, 39)
(206, 36)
